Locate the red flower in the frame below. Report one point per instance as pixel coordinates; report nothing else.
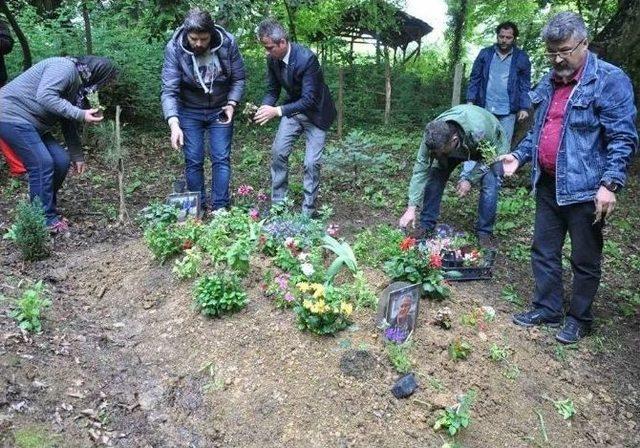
(435, 261)
(188, 244)
(407, 243)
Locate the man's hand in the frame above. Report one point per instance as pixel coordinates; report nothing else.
(509, 163)
(264, 114)
(177, 137)
(605, 203)
(228, 111)
(463, 188)
(78, 167)
(93, 115)
(409, 217)
(523, 115)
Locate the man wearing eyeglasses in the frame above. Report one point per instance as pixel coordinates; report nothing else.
(580, 145)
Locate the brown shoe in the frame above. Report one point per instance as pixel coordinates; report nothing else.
(486, 241)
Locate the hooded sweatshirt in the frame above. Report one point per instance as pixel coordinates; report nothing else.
(53, 90)
(207, 81)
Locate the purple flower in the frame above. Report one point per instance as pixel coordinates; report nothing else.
(254, 214)
(288, 297)
(282, 280)
(262, 197)
(395, 334)
(245, 190)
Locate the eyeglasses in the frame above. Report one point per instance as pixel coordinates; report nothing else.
(564, 54)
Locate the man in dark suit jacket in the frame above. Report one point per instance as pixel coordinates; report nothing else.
(308, 108)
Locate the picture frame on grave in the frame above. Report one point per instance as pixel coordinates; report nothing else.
(402, 313)
(187, 203)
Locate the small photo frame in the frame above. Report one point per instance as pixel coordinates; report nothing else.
(402, 313)
(187, 203)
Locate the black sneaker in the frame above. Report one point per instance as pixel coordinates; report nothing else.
(572, 331)
(535, 317)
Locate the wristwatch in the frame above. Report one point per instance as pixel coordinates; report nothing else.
(613, 187)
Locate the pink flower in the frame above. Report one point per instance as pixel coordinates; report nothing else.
(245, 190)
(282, 280)
(254, 214)
(262, 197)
(290, 243)
(333, 230)
(288, 297)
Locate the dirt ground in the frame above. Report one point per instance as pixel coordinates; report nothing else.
(125, 361)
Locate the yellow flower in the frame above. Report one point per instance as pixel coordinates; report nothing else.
(308, 304)
(303, 286)
(319, 291)
(346, 308)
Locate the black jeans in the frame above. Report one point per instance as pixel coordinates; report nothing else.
(551, 225)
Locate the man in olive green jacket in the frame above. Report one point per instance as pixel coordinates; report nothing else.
(463, 133)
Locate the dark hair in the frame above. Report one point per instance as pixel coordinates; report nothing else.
(272, 29)
(198, 21)
(506, 26)
(437, 133)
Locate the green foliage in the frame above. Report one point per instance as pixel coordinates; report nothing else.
(189, 266)
(239, 253)
(29, 232)
(29, 307)
(498, 353)
(35, 436)
(565, 408)
(398, 355)
(162, 241)
(158, 213)
(510, 294)
(455, 418)
(344, 255)
(218, 294)
(459, 349)
(361, 294)
(375, 245)
(515, 210)
(322, 310)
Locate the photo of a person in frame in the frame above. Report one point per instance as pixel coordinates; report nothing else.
(402, 312)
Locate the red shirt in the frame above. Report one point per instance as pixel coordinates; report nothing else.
(551, 133)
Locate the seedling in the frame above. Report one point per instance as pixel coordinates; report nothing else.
(497, 353)
(29, 307)
(456, 417)
(459, 349)
(249, 111)
(398, 355)
(512, 372)
(488, 150)
(565, 408)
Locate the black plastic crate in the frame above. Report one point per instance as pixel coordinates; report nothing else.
(455, 271)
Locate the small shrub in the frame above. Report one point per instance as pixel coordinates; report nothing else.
(29, 307)
(158, 213)
(398, 355)
(30, 232)
(219, 293)
(459, 349)
(322, 309)
(455, 418)
(189, 266)
(162, 241)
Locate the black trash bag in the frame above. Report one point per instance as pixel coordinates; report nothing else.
(405, 386)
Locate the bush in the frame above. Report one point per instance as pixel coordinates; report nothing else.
(219, 293)
(162, 241)
(322, 309)
(30, 232)
(29, 307)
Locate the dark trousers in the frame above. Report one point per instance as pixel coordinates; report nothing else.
(552, 222)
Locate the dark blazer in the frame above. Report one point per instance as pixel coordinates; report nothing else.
(6, 45)
(307, 92)
(518, 86)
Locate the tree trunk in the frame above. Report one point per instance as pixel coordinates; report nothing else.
(459, 19)
(387, 85)
(24, 44)
(87, 27)
(291, 18)
(340, 101)
(457, 84)
(619, 41)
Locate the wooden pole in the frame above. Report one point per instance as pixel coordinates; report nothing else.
(123, 216)
(387, 85)
(340, 101)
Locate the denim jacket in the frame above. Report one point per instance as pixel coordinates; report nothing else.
(599, 135)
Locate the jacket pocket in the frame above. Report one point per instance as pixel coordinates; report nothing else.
(582, 117)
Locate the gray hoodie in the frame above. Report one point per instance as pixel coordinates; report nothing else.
(182, 85)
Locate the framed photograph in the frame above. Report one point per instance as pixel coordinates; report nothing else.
(187, 203)
(402, 313)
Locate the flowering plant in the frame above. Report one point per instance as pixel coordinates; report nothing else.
(277, 287)
(322, 309)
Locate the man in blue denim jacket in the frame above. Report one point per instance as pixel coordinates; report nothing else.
(581, 145)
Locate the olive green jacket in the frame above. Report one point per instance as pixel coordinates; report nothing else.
(478, 125)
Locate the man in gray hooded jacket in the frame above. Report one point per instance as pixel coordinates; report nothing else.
(203, 80)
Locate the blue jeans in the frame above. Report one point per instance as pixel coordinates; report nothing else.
(194, 123)
(508, 123)
(288, 131)
(487, 203)
(47, 163)
(552, 222)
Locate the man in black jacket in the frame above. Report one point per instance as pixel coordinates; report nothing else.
(6, 45)
(308, 108)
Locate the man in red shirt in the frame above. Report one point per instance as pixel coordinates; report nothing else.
(580, 145)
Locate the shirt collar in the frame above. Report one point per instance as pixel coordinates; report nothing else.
(285, 59)
(500, 55)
